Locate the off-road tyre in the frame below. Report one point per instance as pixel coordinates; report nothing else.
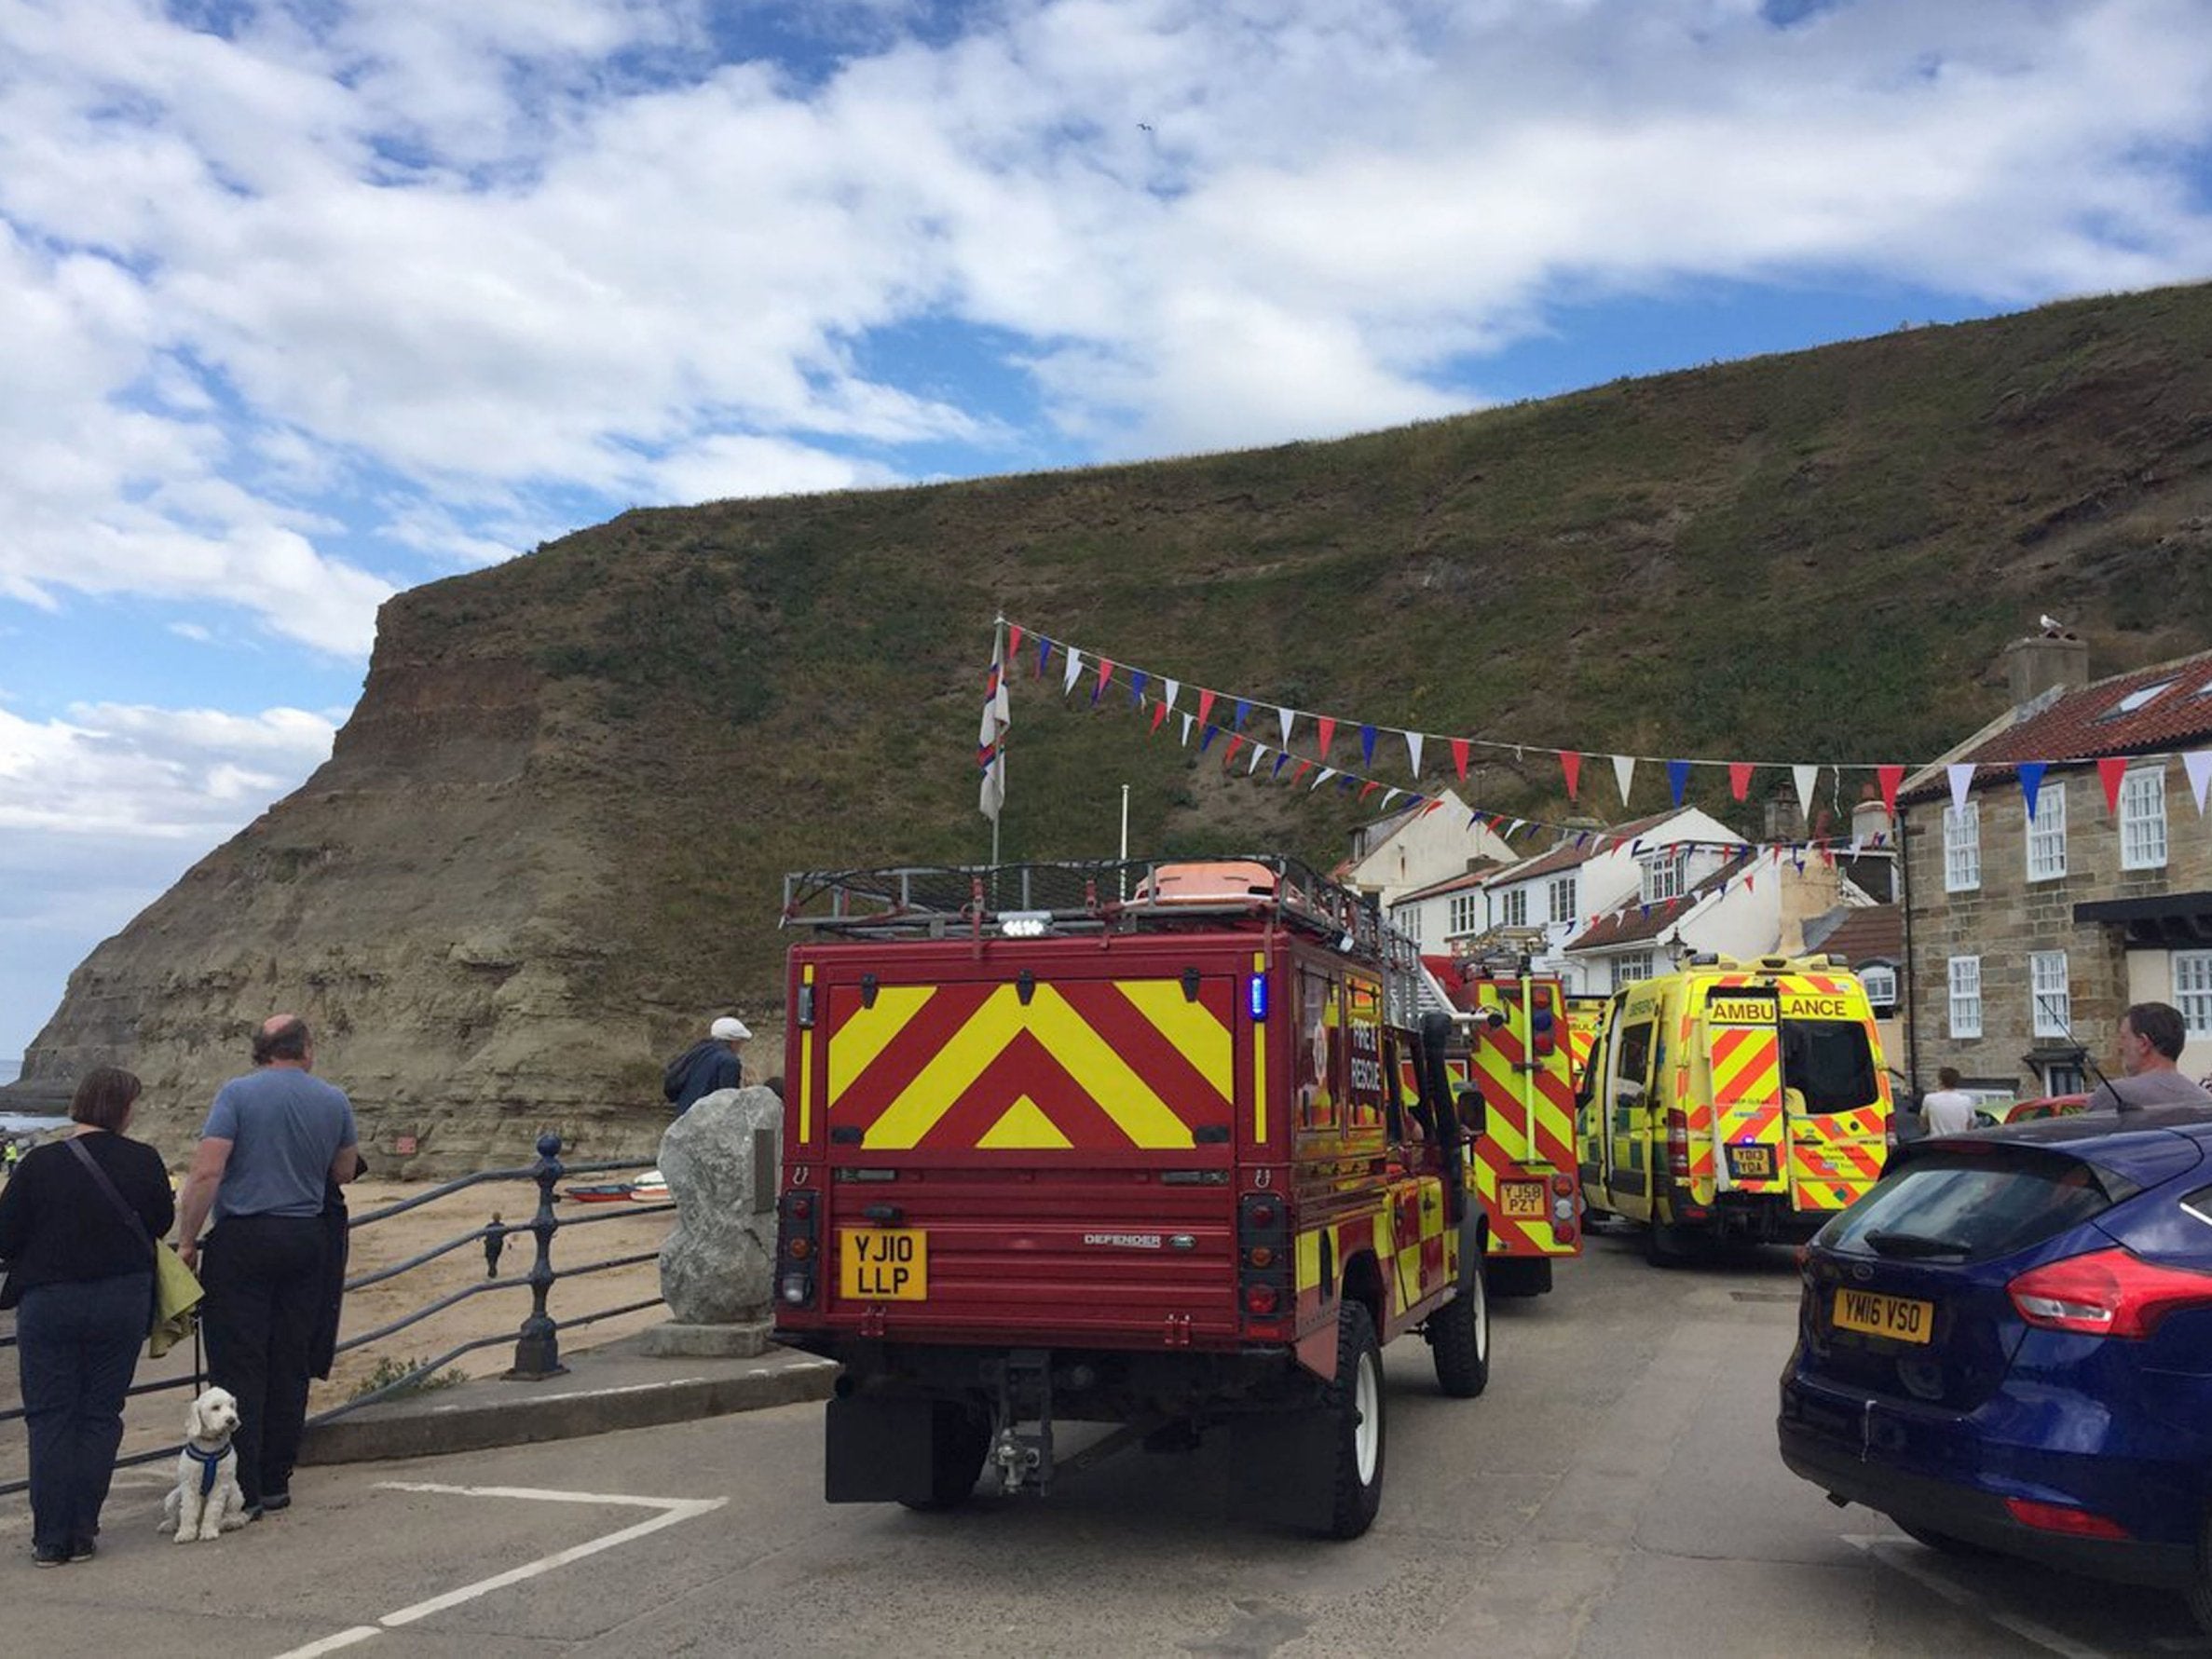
(961, 1441)
(1944, 1544)
(1459, 1338)
(1353, 1407)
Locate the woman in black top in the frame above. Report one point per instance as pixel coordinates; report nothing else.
(81, 1280)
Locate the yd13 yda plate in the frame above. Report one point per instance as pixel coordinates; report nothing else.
(883, 1264)
(1750, 1161)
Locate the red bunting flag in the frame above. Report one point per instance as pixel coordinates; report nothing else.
(1013, 641)
(1740, 778)
(1459, 757)
(1570, 763)
(1159, 713)
(1303, 767)
(2110, 771)
(1890, 777)
(1324, 733)
(1368, 788)
(1204, 705)
(1105, 673)
(1236, 742)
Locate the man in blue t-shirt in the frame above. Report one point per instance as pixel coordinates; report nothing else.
(272, 1139)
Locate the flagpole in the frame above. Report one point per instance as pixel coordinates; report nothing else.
(998, 654)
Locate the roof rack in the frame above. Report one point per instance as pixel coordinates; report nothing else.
(1092, 896)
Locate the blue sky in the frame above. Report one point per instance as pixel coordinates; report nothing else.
(305, 303)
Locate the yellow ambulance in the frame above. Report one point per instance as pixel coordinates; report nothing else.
(1734, 1099)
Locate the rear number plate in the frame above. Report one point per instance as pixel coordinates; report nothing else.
(1897, 1317)
(1523, 1201)
(883, 1264)
(1750, 1161)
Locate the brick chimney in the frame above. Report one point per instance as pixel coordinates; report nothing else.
(2051, 659)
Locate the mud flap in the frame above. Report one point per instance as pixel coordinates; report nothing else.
(1275, 1456)
(885, 1452)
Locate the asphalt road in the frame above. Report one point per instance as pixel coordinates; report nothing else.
(1616, 1493)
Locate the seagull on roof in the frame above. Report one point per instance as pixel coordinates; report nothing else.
(2053, 628)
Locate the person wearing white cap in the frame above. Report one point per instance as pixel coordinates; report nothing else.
(706, 1066)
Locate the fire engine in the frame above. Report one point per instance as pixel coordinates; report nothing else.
(1511, 1048)
(1117, 1143)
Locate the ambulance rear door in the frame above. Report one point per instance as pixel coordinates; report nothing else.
(1742, 1034)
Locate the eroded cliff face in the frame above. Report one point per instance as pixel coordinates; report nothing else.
(429, 901)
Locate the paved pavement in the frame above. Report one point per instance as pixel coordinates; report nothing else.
(1615, 1492)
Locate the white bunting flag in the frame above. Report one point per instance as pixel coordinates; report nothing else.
(1326, 773)
(1412, 749)
(1258, 749)
(1624, 773)
(1809, 777)
(1074, 671)
(1174, 690)
(1287, 716)
(1961, 778)
(991, 741)
(1186, 731)
(2197, 763)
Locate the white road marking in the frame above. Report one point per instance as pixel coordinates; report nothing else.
(671, 1512)
(1899, 1554)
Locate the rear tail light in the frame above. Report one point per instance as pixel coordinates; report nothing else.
(1564, 1186)
(1264, 1249)
(2107, 1293)
(796, 1255)
(2061, 1517)
(1677, 1143)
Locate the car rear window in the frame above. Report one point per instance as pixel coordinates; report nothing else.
(1972, 1205)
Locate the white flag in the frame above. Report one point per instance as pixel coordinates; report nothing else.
(1074, 671)
(991, 741)
(1624, 772)
(1174, 691)
(1809, 777)
(1186, 731)
(2197, 763)
(1286, 717)
(1962, 780)
(1258, 749)
(1412, 749)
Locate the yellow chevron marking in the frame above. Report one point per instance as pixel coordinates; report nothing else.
(1197, 1035)
(1024, 1124)
(1380, 1234)
(1088, 1058)
(866, 1032)
(1309, 1260)
(1750, 1074)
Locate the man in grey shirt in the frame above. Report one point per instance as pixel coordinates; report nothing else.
(2149, 1043)
(272, 1139)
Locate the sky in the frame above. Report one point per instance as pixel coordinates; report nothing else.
(306, 302)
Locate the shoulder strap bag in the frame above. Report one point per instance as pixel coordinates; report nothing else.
(177, 1291)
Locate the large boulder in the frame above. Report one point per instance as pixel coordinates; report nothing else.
(721, 1161)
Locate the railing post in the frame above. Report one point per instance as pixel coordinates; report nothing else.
(538, 1347)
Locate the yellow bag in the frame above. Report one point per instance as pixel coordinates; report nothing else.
(177, 1296)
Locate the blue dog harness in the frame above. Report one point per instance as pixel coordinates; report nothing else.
(209, 1463)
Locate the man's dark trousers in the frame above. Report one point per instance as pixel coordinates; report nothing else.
(264, 1281)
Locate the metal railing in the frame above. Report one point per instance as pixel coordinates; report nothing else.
(536, 1343)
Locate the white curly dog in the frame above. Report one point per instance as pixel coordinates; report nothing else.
(206, 1500)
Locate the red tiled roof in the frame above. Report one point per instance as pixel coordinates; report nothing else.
(2085, 724)
(1871, 933)
(1569, 855)
(1639, 922)
(1451, 884)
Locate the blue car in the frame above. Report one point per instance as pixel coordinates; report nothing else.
(2007, 1346)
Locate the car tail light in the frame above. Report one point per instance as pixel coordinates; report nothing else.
(2061, 1517)
(1564, 1186)
(2107, 1293)
(796, 1242)
(1677, 1143)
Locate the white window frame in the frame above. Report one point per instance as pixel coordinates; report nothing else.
(2191, 972)
(1666, 876)
(1513, 907)
(1630, 967)
(1966, 996)
(1878, 980)
(2050, 994)
(1962, 847)
(2046, 834)
(2143, 818)
(1465, 914)
(1558, 893)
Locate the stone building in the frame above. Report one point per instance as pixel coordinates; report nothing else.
(2026, 936)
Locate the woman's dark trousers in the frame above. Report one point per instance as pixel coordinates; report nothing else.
(77, 1346)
